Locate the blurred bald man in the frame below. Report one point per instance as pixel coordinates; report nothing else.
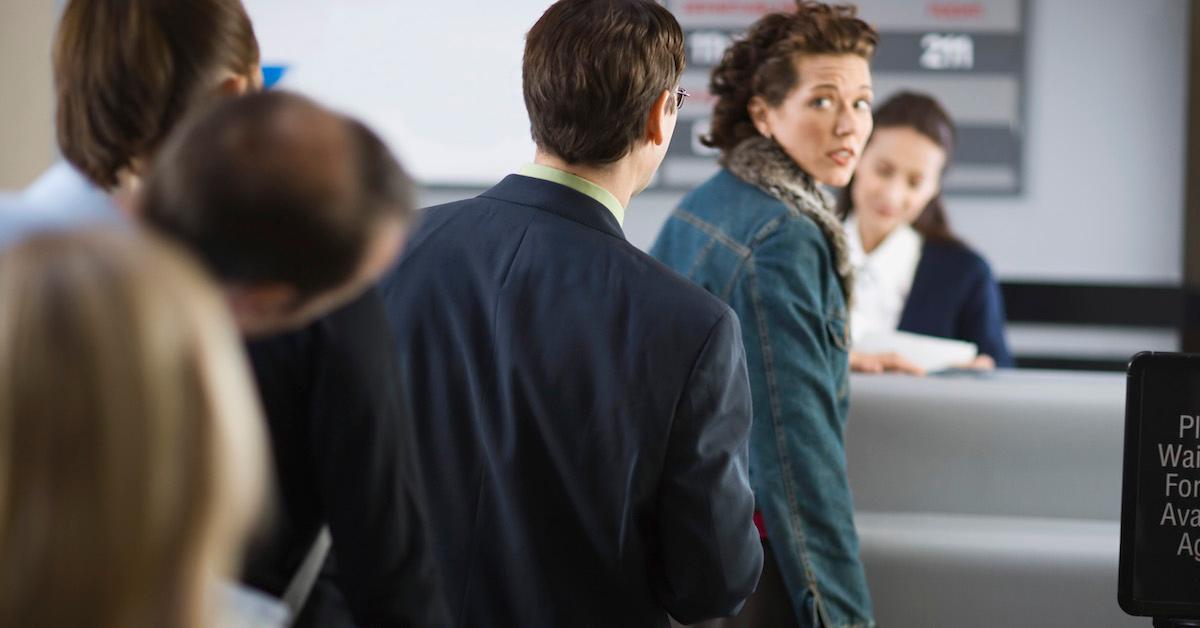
(297, 210)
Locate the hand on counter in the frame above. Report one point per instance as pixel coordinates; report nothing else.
(982, 362)
(885, 363)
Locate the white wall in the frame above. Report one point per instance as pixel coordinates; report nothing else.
(1104, 146)
(1106, 105)
(26, 95)
(1105, 102)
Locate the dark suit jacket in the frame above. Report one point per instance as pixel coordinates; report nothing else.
(954, 295)
(343, 458)
(581, 414)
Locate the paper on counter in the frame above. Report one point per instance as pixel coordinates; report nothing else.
(929, 352)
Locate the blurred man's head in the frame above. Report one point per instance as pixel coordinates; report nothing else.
(600, 79)
(294, 208)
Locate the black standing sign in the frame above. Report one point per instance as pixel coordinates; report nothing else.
(1160, 509)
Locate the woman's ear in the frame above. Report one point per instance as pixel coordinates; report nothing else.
(234, 84)
(757, 108)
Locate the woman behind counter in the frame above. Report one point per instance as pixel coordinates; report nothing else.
(912, 272)
(793, 112)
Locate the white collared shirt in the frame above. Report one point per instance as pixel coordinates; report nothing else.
(882, 278)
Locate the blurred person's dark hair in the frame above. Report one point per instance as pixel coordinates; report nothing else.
(926, 116)
(127, 71)
(592, 71)
(273, 188)
(762, 63)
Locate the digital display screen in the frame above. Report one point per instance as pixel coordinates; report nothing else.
(1160, 522)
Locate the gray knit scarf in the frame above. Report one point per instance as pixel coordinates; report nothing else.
(761, 162)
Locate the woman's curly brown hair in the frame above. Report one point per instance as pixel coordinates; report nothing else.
(761, 63)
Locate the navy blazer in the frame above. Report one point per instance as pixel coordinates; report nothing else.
(581, 417)
(343, 457)
(954, 295)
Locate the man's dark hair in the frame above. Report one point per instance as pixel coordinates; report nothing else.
(274, 188)
(126, 71)
(592, 71)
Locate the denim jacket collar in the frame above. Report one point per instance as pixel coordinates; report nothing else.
(761, 162)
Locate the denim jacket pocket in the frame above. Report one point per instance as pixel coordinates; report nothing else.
(836, 325)
(838, 330)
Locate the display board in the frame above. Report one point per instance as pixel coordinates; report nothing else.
(968, 55)
(442, 82)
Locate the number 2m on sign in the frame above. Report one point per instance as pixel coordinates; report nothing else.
(947, 52)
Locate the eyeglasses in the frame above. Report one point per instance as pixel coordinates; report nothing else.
(680, 95)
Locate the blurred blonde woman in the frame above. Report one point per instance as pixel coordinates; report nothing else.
(131, 452)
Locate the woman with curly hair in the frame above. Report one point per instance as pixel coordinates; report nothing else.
(793, 112)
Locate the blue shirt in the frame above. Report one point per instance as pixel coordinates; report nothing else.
(61, 198)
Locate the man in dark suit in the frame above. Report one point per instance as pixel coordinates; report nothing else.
(581, 412)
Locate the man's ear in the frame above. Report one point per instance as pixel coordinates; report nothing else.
(757, 108)
(260, 307)
(656, 122)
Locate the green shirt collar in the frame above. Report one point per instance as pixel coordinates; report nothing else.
(577, 183)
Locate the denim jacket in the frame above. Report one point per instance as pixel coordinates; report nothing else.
(766, 249)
